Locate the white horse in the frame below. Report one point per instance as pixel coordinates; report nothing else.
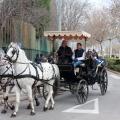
(6, 84)
(6, 74)
(28, 74)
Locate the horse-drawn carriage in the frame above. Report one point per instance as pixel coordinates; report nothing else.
(28, 74)
(79, 83)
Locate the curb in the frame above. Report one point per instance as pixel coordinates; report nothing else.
(118, 73)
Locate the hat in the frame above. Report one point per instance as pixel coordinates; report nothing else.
(93, 55)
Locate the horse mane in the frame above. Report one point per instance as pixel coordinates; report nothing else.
(24, 57)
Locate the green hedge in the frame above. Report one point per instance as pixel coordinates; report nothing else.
(113, 64)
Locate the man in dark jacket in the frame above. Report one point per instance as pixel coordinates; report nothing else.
(64, 53)
(94, 64)
(78, 55)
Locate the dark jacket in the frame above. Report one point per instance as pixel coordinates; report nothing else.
(79, 53)
(67, 52)
(94, 64)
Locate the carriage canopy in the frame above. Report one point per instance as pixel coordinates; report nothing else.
(68, 35)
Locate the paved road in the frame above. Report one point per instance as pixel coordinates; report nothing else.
(97, 107)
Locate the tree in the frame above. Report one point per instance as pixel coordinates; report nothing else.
(53, 24)
(73, 13)
(35, 12)
(115, 16)
(97, 26)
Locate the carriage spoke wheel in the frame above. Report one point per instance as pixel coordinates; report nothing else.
(82, 91)
(103, 82)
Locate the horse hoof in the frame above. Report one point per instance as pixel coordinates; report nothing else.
(51, 108)
(37, 103)
(13, 107)
(45, 108)
(3, 111)
(29, 107)
(32, 113)
(13, 115)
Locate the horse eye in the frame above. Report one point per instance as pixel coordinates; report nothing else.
(13, 52)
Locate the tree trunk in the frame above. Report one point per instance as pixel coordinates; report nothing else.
(110, 49)
(119, 54)
(1, 38)
(101, 49)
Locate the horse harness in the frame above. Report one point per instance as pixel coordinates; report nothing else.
(29, 75)
(10, 76)
(36, 78)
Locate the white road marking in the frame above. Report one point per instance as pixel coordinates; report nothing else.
(114, 76)
(95, 111)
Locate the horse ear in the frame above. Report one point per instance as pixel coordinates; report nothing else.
(11, 43)
(16, 45)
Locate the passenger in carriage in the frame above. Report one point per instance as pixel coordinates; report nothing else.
(96, 54)
(95, 63)
(88, 53)
(37, 57)
(64, 53)
(78, 55)
(40, 59)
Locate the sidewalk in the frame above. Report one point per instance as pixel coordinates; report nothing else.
(113, 71)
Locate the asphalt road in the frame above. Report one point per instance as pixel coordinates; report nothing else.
(97, 107)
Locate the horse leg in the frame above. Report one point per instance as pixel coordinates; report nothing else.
(52, 103)
(37, 91)
(5, 102)
(5, 97)
(51, 98)
(17, 102)
(29, 90)
(12, 107)
(49, 89)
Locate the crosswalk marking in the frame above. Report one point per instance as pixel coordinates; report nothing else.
(76, 109)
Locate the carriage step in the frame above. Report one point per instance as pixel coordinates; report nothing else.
(78, 77)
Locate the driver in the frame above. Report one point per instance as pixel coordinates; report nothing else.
(64, 53)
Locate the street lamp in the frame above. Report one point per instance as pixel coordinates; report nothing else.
(59, 14)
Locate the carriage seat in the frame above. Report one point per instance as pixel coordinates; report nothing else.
(78, 67)
(82, 65)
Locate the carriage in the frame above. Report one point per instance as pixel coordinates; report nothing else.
(79, 84)
(28, 74)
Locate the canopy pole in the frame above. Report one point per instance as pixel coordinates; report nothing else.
(53, 44)
(85, 43)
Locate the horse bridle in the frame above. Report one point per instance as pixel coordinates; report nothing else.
(13, 53)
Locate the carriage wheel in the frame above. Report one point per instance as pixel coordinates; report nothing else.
(56, 87)
(103, 82)
(82, 91)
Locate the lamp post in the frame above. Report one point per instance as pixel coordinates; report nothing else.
(59, 18)
(59, 14)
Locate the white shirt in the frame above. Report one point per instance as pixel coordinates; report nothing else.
(79, 58)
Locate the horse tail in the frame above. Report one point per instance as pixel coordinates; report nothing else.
(56, 85)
